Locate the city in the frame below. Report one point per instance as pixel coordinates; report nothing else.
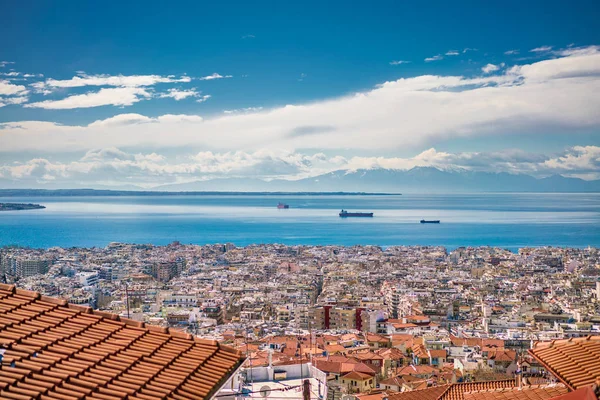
(361, 322)
(315, 200)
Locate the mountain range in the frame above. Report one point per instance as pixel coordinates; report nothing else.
(418, 179)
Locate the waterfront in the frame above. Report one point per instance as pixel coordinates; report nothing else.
(504, 220)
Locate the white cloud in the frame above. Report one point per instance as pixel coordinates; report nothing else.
(150, 169)
(4, 101)
(584, 67)
(491, 68)
(243, 110)
(15, 74)
(131, 81)
(12, 94)
(179, 118)
(5, 63)
(452, 53)
(248, 37)
(202, 99)
(178, 94)
(214, 76)
(555, 95)
(136, 119)
(434, 58)
(112, 96)
(577, 160)
(399, 62)
(467, 49)
(108, 154)
(541, 49)
(511, 52)
(9, 89)
(122, 119)
(578, 51)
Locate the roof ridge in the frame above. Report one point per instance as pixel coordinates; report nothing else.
(105, 314)
(60, 360)
(77, 350)
(524, 387)
(445, 391)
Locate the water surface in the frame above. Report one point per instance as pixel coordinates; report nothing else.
(505, 220)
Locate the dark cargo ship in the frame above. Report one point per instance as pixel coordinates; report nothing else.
(345, 214)
(433, 221)
(282, 206)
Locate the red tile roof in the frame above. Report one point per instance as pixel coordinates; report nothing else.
(58, 351)
(576, 362)
(452, 391)
(431, 393)
(375, 395)
(456, 391)
(357, 376)
(585, 393)
(438, 353)
(536, 392)
(502, 355)
(417, 370)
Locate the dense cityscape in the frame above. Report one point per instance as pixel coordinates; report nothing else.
(256, 200)
(369, 321)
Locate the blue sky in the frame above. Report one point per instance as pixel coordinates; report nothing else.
(315, 57)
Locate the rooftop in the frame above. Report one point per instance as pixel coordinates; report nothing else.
(573, 361)
(534, 392)
(55, 350)
(286, 389)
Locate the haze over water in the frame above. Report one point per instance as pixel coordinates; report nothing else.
(504, 220)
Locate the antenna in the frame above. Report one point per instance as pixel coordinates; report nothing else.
(127, 297)
(247, 351)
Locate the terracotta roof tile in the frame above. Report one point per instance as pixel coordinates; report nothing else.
(431, 393)
(357, 376)
(59, 351)
(456, 391)
(585, 393)
(534, 392)
(574, 361)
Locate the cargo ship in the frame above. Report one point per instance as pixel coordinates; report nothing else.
(432, 221)
(282, 206)
(345, 214)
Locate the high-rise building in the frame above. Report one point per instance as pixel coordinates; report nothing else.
(214, 311)
(330, 317)
(29, 267)
(7, 264)
(164, 271)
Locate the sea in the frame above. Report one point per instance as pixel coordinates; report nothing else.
(506, 220)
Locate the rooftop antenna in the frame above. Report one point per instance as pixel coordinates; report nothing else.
(248, 358)
(127, 297)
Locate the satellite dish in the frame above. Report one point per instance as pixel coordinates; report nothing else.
(265, 391)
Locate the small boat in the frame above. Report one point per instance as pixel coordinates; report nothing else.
(282, 206)
(345, 214)
(432, 221)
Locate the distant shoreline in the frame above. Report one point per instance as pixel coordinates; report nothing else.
(20, 206)
(94, 192)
